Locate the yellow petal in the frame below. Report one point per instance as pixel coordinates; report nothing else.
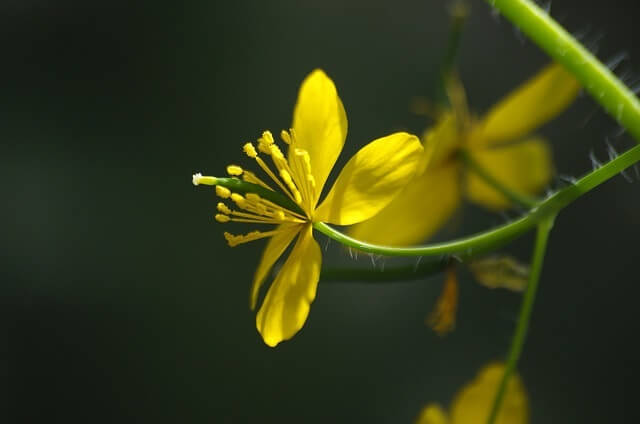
(415, 214)
(320, 125)
(473, 403)
(277, 244)
(371, 179)
(432, 414)
(524, 167)
(286, 306)
(535, 102)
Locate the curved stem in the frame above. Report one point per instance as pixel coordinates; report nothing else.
(513, 196)
(520, 334)
(596, 78)
(467, 247)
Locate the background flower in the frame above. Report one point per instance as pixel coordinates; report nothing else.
(472, 404)
(500, 143)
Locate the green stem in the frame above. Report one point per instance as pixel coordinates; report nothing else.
(467, 247)
(596, 78)
(513, 196)
(517, 342)
(459, 14)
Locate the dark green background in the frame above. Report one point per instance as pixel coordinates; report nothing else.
(121, 301)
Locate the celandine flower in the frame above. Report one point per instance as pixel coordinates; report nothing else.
(472, 404)
(366, 184)
(499, 143)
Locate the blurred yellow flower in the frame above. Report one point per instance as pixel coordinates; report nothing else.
(499, 143)
(472, 404)
(366, 184)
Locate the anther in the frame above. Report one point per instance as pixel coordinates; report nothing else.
(250, 150)
(265, 142)
(222, 218)
(223, 192)
(231, 239)
(276, 152)
(234, 170)
(238, 200)
(224, 208)
(267, 137)
(292, 133)
(285, 137)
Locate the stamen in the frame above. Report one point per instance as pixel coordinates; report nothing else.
(287, 174)
(263, 207)
(276, 207)
(250, 177)
(285, 137)
(234, 170)
(251, 216)
(258, 212)
(238, 199)
(292, 176)
(309, 184)
(223, 192)
(222, 218)
(256, 221)
(223, 208)
(251, 152)
(235, 240)
(292, 133)
(287, 179)
(303, 170)
(265, 142)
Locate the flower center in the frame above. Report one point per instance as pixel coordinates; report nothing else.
(292, 176)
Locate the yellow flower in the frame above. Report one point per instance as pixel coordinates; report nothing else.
(499, 142)
(472, 404)
(366, 184)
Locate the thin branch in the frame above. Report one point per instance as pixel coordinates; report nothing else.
(520, 334)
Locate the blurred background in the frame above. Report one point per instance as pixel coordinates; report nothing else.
(120, 300)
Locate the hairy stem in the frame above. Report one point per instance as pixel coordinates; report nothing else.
(520, 334)
(467, 247)
(596, 78)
